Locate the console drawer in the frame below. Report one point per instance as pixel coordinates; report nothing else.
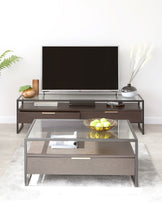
(132, 116)
(81, 166)
(28, 117)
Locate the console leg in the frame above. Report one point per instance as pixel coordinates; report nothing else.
(19, 128)
(141, 127)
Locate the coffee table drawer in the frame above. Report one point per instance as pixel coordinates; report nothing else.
(81, 166)
(28, 117)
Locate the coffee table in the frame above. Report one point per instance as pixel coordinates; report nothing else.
(113, 152)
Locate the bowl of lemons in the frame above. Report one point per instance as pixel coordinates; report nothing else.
(100, 124)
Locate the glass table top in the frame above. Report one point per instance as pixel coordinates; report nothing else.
(81, 97)
(74, 129)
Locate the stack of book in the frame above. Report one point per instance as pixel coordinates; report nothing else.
(64, 144)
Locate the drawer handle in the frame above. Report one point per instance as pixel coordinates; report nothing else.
(51, 113)
(111, 112)
(86, 158)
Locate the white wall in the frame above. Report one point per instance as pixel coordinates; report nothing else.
(26, 25)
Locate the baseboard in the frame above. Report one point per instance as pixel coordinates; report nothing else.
(7, 119)
(148, 120)
(153, 120)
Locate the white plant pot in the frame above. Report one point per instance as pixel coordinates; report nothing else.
(129, 91)
(129, 94)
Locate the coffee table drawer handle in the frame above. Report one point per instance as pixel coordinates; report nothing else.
(85, 158)
(111, 112)
(45, 113)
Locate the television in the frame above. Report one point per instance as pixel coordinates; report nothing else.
(79, 68)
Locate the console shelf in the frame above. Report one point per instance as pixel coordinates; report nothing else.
(132, 109)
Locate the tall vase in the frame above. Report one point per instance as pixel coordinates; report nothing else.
(129, 91)
(36, 86)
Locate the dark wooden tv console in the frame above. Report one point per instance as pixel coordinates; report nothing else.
(43, 107)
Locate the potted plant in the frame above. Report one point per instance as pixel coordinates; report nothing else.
(27, 91)
(138, 58)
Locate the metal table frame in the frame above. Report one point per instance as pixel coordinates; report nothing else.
(27, 177)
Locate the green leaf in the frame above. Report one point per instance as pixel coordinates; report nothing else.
(7, 62)
(22, 88)
(4, 54)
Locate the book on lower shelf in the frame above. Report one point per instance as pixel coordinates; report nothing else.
(64, 144)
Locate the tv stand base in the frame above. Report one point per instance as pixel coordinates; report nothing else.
(88, 107)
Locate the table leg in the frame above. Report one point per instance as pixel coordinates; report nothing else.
(135, 177)
(141, 127)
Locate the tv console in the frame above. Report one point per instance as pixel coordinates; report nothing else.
(72, 106)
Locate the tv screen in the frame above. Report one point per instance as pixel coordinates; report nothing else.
(80, 68)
